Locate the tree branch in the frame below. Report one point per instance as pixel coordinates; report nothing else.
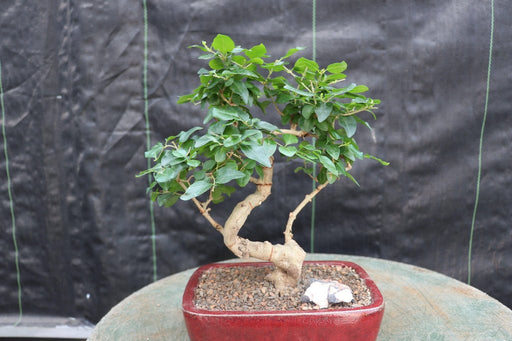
(276, 107)
(298, 133)
(288, 235)
(353, 112)
(242, 210)
(221, 92)
(204, 210)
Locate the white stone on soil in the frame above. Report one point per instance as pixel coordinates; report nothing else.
(323, 293)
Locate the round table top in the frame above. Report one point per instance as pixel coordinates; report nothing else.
(420, 305)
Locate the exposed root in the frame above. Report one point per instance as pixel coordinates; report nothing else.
(288, 259)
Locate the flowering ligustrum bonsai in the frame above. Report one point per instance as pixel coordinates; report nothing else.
(235, 148)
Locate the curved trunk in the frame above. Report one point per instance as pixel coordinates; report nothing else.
(287, 257)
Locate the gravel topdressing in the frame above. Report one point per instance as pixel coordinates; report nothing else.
(239, 288)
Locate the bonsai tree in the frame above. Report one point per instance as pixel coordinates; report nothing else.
(236, 149)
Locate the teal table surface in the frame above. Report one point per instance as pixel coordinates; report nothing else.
(420, 305)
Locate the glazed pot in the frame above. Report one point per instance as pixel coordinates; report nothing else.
(361, 323)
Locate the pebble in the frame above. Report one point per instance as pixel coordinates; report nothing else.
(322, 293)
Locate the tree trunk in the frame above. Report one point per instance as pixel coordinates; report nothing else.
(287, 257)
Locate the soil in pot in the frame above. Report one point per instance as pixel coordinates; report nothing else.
(238, 288)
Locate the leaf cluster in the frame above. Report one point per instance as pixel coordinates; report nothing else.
(319, 120)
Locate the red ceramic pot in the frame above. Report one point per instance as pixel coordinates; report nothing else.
(350, 324)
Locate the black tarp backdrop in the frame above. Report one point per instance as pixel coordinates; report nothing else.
(75, 128)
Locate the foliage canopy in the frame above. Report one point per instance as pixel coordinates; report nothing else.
(234, 145)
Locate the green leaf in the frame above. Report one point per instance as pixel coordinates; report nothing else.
(199, 175)
(359, 100)
(242, 182)
(207, 56)
(284, 98)
(231, 129)
(288, 151)
(218, 128)
(154, 195)
(342, 91)
(180, 153)
(227, 173)
(193, 163)
(260, 153)
(337, 67)
(303, 63)
(305, 170)
(225, 113)
(323, 111)
(220, 155)
(278, 82)
(298, 91)
(355, 150)
(257, 134)
(155, 151)
(147, 171)
(324, 126)
(205, 139)
(276, 66)
(167, 200)
(196, 189)
(186, 98)
(306, 124)
(223, 43)
(249, 165)
(256, 60)
(290, 139)
(265, 125)
(359, 88)
(307, 146)
(208, 165)
(335, 78)
(232, 141)
(169, 159)
(331, 178)
(307, 110)
(257, 51)
(259, 170)
(216, 64)
(327, 163)
(202, 48)
(321, 176)
(240, 71)
(348, 123)
(348, 154)
(208, 116)
(366, 124)
(239, 59)
(220, 191)
(333, 150)
(170, 138)
(173, 187)
(292, 52)
(184, 135)
(348, 175)
(382, 162)
(167, 174)
(240, 89)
